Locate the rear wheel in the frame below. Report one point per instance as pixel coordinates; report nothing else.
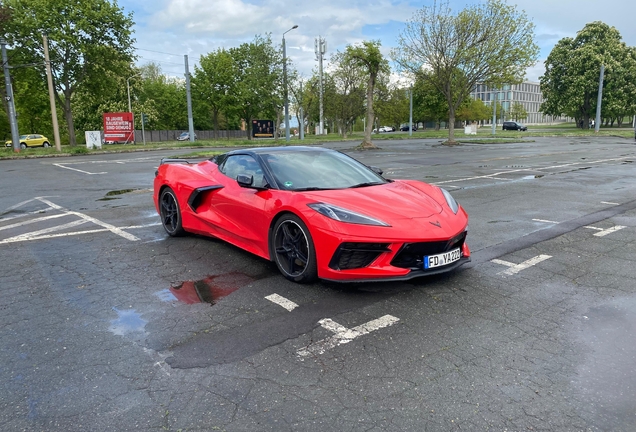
(294, 250)
(170, 213)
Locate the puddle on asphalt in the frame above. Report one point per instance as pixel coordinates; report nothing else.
(129, 321)
(208, 290)
(119, 192)
(112, 195)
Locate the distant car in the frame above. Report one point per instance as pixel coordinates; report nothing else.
(185, 136)
(32, 140)
(510, 125)
(384, 129)
(405, 128)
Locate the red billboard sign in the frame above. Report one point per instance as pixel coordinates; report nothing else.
(119, 127)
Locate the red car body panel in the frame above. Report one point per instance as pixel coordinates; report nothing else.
(244, 217)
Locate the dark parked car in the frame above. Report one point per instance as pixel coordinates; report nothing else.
(510, 125)
(405, 128)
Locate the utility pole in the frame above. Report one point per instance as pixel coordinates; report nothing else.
(189, 99)
(15, 135)
(301, 121)
(597, 122)
(494, 110)
(49, 79)
(320, 49)
(285, 93)
(411, 111)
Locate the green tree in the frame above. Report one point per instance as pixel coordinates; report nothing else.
(391, 103)
(367, 56)
(89, 42)
(429, 104)
(347, 102)
(213, 83)
(259, 74)
(518, 112)
(309, 99)
(491, 43)
(160, 96)
(474, 110)
(570, 83)
(619, 93)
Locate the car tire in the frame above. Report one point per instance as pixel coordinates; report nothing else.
(46, 144)
(293, 249)
(23, 146)
(170, 213)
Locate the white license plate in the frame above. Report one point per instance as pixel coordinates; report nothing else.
(442, 259)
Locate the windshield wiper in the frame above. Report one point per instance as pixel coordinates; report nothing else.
(359, 185)
(313, 188)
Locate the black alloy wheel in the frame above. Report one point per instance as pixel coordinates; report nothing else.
(170, 213)
(294, 250)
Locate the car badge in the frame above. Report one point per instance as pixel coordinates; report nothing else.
(436, 223)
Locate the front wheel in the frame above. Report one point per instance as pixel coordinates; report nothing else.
(23, 146)
(294, 250)
(170, 213)
(46, 144)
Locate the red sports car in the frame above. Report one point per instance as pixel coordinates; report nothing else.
(316, 213)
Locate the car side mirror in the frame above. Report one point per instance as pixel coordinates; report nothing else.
(245, 180)
(376, 170)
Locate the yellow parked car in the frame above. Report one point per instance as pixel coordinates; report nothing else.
(32, 140)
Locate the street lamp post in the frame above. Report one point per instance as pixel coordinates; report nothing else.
(128, 87)
(285, 84)
(129, 105)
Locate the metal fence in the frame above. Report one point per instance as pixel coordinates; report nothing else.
(171, 135)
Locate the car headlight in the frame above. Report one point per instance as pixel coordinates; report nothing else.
(343, 215)
(450, 200)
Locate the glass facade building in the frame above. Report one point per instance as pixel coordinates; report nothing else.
(527, 93)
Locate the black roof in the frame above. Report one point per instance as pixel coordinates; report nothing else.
(284, 149)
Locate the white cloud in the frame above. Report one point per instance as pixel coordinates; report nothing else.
(197, 27)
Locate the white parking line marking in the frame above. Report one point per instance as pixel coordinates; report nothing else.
(5, 219)
(282, 301)
(45, 233)
(78, 170)
(34, 234)
(15, 225)
(50, 236)
(539, 169)
(609, 203)
(516, 268)
(546, 221)
(344, 335)
(108, 226)
(603, 232)
(74, 233)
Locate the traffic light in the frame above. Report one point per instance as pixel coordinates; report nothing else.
(144, 119)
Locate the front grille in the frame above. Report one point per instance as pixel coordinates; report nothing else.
(356, 255)
(411, 255)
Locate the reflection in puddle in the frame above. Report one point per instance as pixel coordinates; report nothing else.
(208, 290)
(128, 321)
(119, 192)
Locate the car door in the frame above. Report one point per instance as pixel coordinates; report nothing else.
(242, 210)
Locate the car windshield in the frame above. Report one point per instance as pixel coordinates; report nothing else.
(319, 170)
(23, 136)
(184, 134)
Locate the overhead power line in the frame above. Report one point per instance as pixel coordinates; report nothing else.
(158, 52)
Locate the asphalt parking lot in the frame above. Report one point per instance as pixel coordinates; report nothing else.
(103, 330)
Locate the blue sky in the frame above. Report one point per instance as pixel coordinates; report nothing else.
(165, 30)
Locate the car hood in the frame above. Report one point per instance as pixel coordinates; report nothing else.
(395, 200)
